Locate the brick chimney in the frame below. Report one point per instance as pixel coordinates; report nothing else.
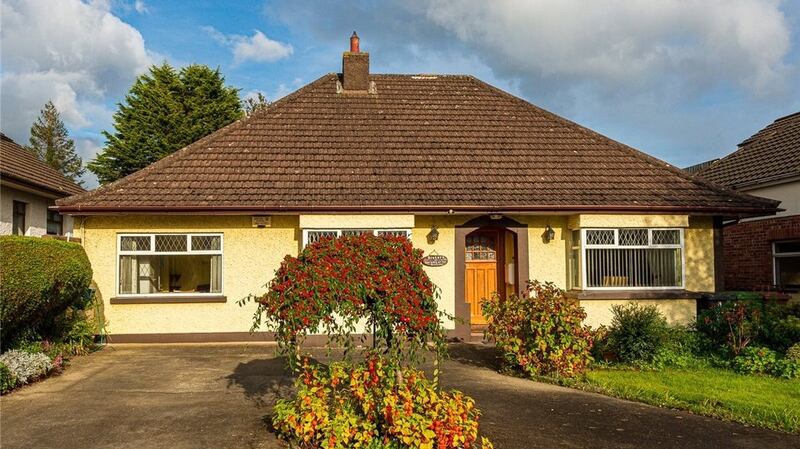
(355, 67)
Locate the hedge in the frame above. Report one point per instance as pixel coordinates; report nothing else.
(39, 280)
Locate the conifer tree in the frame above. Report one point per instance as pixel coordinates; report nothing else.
(165, 110)
(50, 142)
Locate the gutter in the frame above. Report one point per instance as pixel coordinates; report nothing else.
(739, 212)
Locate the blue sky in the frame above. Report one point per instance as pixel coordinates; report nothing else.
(684, 80)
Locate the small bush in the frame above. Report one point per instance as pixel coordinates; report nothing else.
(26, 366)
(540, 332)
(40, 279)
(781, 332)
(761, 360)
(7, 379)
(368, 405)
(793, 353)
(680, 349)
(755, 360)
(732, 324)
(637, 332)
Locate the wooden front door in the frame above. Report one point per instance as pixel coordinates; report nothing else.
(484, 267)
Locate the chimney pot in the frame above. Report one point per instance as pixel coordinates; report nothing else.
(355, 67)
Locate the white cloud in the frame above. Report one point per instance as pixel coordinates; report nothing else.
(75, 53)
(140, 6)
(256, 48)
(614, 44)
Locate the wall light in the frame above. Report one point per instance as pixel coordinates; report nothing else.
(549, 234)
(433, 235)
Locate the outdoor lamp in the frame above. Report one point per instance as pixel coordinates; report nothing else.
(549, 234)
(433, 236)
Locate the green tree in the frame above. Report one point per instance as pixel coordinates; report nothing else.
(255, 104)
(50, 142)
(165, 110)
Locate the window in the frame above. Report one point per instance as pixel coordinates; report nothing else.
(18, 214)
(627, 258)
(313, 235)
(787, 264)
(154, 264)
(55, 223)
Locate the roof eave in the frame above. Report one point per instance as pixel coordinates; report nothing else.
(728, 212)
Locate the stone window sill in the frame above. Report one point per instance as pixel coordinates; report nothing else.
(633, 294)
(169, 299)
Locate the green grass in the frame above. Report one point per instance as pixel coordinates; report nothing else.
(756, 400)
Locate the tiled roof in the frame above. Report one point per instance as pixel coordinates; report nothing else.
(772, 154)
(418, 143)
(19, 164)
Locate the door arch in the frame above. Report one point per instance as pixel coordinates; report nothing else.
(519, 234)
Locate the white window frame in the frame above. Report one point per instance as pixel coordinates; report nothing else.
(777, 255)
(339, 231)
(584, 246)
(153, 252)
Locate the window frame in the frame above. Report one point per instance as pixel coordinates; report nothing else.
(584, 246)
(339, 231)
(15, 213)
(776, 255)
(153, 252)
(48, 221)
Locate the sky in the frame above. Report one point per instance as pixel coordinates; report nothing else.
(683, 80)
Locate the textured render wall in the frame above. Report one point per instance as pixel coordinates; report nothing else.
(36, 214)
(444, 277)
(699, 247)
(547, 261)
(627, 221)
(677, 311)
(748, 250)
(251, 256)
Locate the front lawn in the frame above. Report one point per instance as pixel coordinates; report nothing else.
(757, 400)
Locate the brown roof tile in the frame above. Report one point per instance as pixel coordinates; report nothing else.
(420, 143)
(19, 164)
(771, 154)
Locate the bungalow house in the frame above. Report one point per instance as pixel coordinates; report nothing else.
(763, 252)
(28, 190)
(498, 190)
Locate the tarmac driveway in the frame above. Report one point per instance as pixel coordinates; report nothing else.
(217, 396)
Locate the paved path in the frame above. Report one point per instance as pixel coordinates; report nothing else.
(217, 396)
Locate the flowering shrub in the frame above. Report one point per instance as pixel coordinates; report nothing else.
(379, 279)
(540, 332)
(25, 366)
(367, 405)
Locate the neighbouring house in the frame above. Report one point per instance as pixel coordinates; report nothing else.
(28, 190)
(762, 253)
(495, 189)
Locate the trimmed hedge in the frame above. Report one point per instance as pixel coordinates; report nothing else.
(39, 280)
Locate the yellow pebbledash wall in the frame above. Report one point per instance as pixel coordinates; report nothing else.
(251, 256)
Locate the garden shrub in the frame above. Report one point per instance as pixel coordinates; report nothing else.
(680, 348)
(40, 279)
(780, 331)
(7, 379)
(732, 324)
(381, 402)
(26, 366)
(761, 360)
(363, 405)
(380, 280)
(637, 333)
(793, 353)
(540, 332)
